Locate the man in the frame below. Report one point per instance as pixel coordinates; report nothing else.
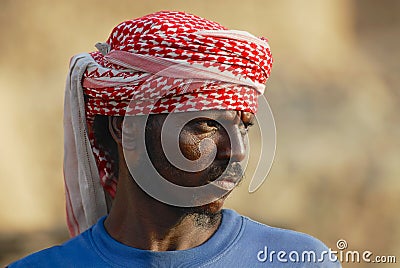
(156, 124)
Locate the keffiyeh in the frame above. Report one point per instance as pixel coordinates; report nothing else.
(160, 63)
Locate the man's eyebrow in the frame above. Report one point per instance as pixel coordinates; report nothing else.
(218, 115)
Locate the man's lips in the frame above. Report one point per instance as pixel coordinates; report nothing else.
(227, 181)
(230, 177)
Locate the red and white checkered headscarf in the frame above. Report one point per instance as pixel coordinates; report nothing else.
(167, 62)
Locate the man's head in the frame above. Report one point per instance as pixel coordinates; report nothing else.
(171, 66)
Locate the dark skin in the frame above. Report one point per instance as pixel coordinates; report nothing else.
(138, 220)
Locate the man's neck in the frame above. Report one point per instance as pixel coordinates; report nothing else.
(140, 221)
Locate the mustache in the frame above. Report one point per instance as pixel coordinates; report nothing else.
(228, 170)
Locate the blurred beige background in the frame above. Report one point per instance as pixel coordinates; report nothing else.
(334, 91)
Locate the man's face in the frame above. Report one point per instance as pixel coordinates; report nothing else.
(219, 136)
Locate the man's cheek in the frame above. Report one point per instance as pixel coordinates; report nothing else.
(189, 147)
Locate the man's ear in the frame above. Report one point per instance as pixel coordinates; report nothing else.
(115, 128)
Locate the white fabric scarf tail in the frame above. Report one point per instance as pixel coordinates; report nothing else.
(85, 197)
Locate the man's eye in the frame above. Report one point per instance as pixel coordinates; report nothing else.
(210, 123)
(245, 127)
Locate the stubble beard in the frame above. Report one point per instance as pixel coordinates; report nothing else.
(202, 217)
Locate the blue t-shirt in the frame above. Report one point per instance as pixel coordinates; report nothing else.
(238, 242)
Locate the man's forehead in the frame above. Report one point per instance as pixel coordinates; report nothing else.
(225, 115)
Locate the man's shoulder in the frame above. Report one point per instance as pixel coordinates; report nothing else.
(41, 258)
(66, 255)
(280, 236)
(281, 247)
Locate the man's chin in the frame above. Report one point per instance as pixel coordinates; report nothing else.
(213, 207)
(206, 216)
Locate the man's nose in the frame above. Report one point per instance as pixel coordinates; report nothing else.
(232, 146)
